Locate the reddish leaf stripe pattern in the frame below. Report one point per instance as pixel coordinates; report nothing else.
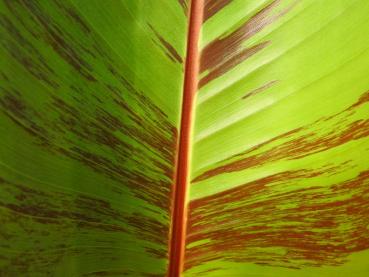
(87, 147)
(294, 200)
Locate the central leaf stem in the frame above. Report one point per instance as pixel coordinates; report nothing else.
(179, 214)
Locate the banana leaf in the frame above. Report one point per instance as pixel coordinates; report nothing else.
(184, 138)
(280, 163)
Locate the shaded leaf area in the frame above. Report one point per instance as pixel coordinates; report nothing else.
(281, 142)
(88, 136)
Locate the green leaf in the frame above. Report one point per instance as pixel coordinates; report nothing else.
(94, 162)
(90, 94)
(280, 167)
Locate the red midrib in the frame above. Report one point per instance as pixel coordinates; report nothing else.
(179, 214)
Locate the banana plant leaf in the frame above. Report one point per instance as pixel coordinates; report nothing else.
(90, 105)
(184, 138)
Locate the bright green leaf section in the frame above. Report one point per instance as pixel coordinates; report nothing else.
(280, 168)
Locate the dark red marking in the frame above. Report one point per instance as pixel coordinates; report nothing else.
(214, 6)
(297, 143)
(184, 5)
(362, 100)
(259, 89)
(240, 223)
(232, 62)
(224, 53)
(170, 51)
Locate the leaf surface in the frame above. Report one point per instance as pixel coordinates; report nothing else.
(90, 97)
(113, 163)
(280, 143)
